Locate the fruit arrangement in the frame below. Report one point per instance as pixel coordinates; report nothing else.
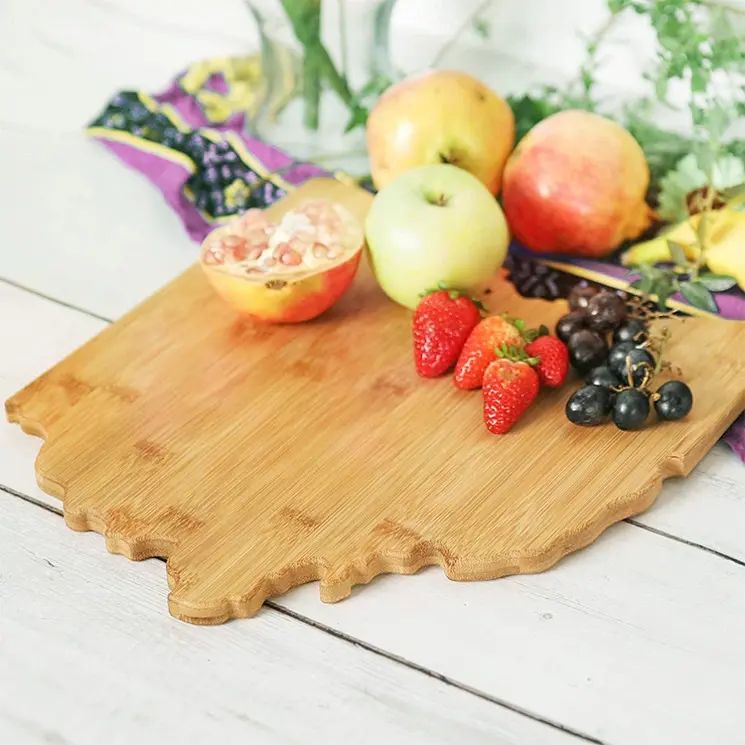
(576, 184)
(611, 344)
(287, 271)
(495, 353)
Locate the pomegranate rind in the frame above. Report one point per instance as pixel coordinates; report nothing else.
(283, 297)
(291, 300)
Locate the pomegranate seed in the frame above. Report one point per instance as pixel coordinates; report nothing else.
(255, 235)
(235, 245)
(254, 253)
(319, 250)
(280, 248)
(291, 258)
(299, 245)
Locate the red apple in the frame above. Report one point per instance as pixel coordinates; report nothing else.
(576, 184)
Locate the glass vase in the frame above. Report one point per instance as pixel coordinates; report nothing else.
(323, 63)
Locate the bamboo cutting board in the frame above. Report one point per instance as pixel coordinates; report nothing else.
(256, 458)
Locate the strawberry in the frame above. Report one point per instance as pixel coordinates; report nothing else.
(479, 350)
(553, 359)
(442, 322)
(508, 390)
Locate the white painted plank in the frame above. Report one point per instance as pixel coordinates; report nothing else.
(106, 241)
(60, 62)
(88, 656)
(637, 639)
(708, 507)
(35, 334)
(636, 622)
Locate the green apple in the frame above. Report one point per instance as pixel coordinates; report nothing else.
(432, 224)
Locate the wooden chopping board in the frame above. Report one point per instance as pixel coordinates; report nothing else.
(256, 458)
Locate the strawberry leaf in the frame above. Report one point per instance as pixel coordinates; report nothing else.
(533, 334)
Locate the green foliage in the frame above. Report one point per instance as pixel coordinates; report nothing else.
(368, 94)
(684, 277)
(699, 296)
(661, 282)
(697, 43)
(531, 109)
(318, 68)
(675, 186)
(717, 282)
(481, 27)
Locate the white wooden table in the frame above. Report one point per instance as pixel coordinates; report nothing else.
(637, 639)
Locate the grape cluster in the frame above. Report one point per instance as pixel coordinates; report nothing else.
(533, 279)
(617, 374)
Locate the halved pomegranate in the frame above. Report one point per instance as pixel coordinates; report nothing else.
(286, 271)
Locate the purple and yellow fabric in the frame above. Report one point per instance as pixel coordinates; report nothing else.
(190, 141)
(191, 144)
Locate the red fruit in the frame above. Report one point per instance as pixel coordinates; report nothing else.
(509, 389)
(442, 322)
(479, 350)
(286, 271)
(553, 359)
(576, 184)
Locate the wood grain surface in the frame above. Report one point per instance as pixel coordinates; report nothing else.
(257, 458)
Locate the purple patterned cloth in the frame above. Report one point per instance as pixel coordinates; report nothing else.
(189, 142)
(735, 437)
(207, 171)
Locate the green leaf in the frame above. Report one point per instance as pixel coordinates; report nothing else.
(687, 176)
(481, 27)
(733, 192)
(717, 282)
(374, 87)
(519, 324)
(643, 284)
(533, 334)
(677, 251)
(663, 288)
(533, 108)
(699, 80)
(357, 118)
(662, 297)
(698, 296)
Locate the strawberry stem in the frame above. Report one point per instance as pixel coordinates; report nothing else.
(453, 294)
(515, 354)
(533, 334)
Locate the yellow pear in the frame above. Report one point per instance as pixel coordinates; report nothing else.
(726, 253)
(657, 249)
(725, 240)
